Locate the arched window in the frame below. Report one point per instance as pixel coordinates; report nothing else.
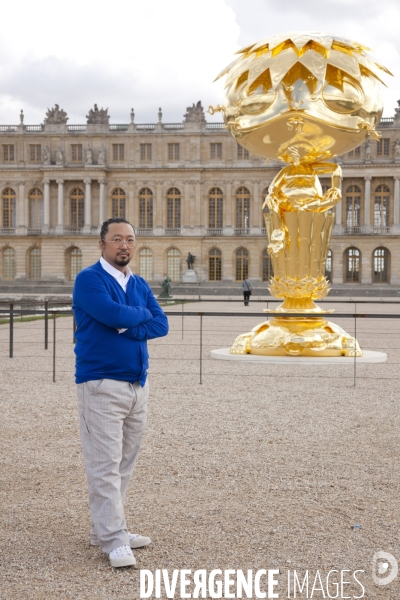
(241, 264)
(267, 268)
(381, 265)
(174, 264)
(74, 262)
(352, 264)
(381, 206)
(215, 265)
(118, 200)
(146, 264)
(35, 263)
(328, 266)
(215, 208)
(35, 199)
(77, 204)
(173, 208)
(353, 206)
(9, 208)
(242, 199)
(8, 266)
(146, 208)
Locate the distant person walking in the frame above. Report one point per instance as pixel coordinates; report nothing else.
(246, 285)
(116, 313)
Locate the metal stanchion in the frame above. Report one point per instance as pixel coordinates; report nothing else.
(54, 346)
(46, 325)
(355, 341)
(201, 348)
(11, 330)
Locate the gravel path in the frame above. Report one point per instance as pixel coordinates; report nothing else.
(259, 467)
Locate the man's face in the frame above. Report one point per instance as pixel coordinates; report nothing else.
(118, 247)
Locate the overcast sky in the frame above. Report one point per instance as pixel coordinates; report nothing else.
(146, 54)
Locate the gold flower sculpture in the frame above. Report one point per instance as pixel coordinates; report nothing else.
(303, 98)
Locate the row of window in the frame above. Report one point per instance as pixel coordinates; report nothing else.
(118, 152)
(352, 264)
(382, 149)
(118, 208)
(173, 152)
(381, 202)
(353, 203)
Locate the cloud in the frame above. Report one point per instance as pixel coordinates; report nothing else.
(136, 54)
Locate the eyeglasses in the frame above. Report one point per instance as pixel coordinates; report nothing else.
(118, 242)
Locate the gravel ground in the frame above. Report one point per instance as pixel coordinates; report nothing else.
(259, 467)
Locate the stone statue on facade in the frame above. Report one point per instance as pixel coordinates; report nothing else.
(102, 156)
(60, 157)
(195, 113)
(46, 155)
(55, 116)
(21, 117)
(397, 149)
(190, 260)
(98, 116)
(89, 156)
(368, 150)
(132, 115)
(166, 287)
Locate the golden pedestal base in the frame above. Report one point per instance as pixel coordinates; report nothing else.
(297, 336)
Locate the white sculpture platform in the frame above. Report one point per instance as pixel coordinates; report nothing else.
(189, 276)
(369, 356)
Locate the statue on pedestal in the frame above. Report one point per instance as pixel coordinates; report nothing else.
(166, 287)
(89, 156)
(55, 116)
(98, 117)
(305, 98)
(190, 260)
(102, 156)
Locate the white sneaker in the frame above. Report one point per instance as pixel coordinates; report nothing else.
(135, 540)
(122, 557)
(138, 541)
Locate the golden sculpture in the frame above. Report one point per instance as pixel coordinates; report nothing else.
(303, 98)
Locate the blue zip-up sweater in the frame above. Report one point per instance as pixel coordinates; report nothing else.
(101, 307)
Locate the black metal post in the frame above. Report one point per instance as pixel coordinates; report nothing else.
(11, 330)
(201, 348)
(54, 346)
(355, 341)
(46, 325)
(182, 319)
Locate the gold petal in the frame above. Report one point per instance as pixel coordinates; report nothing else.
(345, 62)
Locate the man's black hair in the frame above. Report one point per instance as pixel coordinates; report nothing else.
(104, 227)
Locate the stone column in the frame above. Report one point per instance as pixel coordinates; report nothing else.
(159, 211)
(367, 205)
(228, 210)
(21, 212)
(88, 206)
(255, 210)
(46, 206)
(102, 183)
(396, 206)
(60, 206)
(132, 210)
(185, 208)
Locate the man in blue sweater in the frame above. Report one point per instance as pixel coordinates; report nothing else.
(115, 313)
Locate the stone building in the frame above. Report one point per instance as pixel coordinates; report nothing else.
(187, 187)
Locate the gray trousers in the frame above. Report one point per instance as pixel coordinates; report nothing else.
(112, 423)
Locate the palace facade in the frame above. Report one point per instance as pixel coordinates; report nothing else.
(187, 187)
